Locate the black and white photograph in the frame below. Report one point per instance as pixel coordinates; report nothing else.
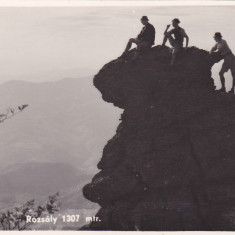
(117, 116)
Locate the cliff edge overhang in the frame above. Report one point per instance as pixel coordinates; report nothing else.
(119, 81)
(170, 165)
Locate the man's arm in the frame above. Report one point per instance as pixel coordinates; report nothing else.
(222, 46)
(187, 40)
(139, 36)
(167, 27)
(183, 33)
(213, 49)
(150, 34)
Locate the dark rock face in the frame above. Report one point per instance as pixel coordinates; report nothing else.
(171, 164)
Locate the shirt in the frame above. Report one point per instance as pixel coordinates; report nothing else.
(222, 47)
(147, 34)
(179, 34)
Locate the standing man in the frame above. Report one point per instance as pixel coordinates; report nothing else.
(144, 40)
(177, 41)
(222, 47)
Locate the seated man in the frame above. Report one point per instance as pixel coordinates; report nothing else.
(177, 41)
(144, 40)
(223, 49)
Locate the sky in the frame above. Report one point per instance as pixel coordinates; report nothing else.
(40, 44)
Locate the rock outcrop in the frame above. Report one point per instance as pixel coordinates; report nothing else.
(171, 164)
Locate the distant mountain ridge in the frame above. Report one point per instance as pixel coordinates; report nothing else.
(60, 134)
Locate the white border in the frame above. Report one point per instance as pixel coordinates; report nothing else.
(103, 3)
(98, 3)
(46, 232)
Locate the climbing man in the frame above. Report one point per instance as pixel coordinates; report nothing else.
(144, 40)
(177, 41)
(223, 49)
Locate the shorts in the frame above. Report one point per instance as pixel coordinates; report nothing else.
(176, 44)
(142, 45)
(229, 63)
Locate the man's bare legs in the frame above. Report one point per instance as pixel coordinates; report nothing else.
(222, 79)
(173, 44)
(164, 40)
(170, 38)
(141, 47)
(166, 35)
(233, 83)
(128, 46)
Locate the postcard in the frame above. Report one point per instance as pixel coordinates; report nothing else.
(117, 116)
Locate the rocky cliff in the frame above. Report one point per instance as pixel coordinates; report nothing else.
(171, 164)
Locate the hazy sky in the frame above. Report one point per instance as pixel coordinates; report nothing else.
(44, 44)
